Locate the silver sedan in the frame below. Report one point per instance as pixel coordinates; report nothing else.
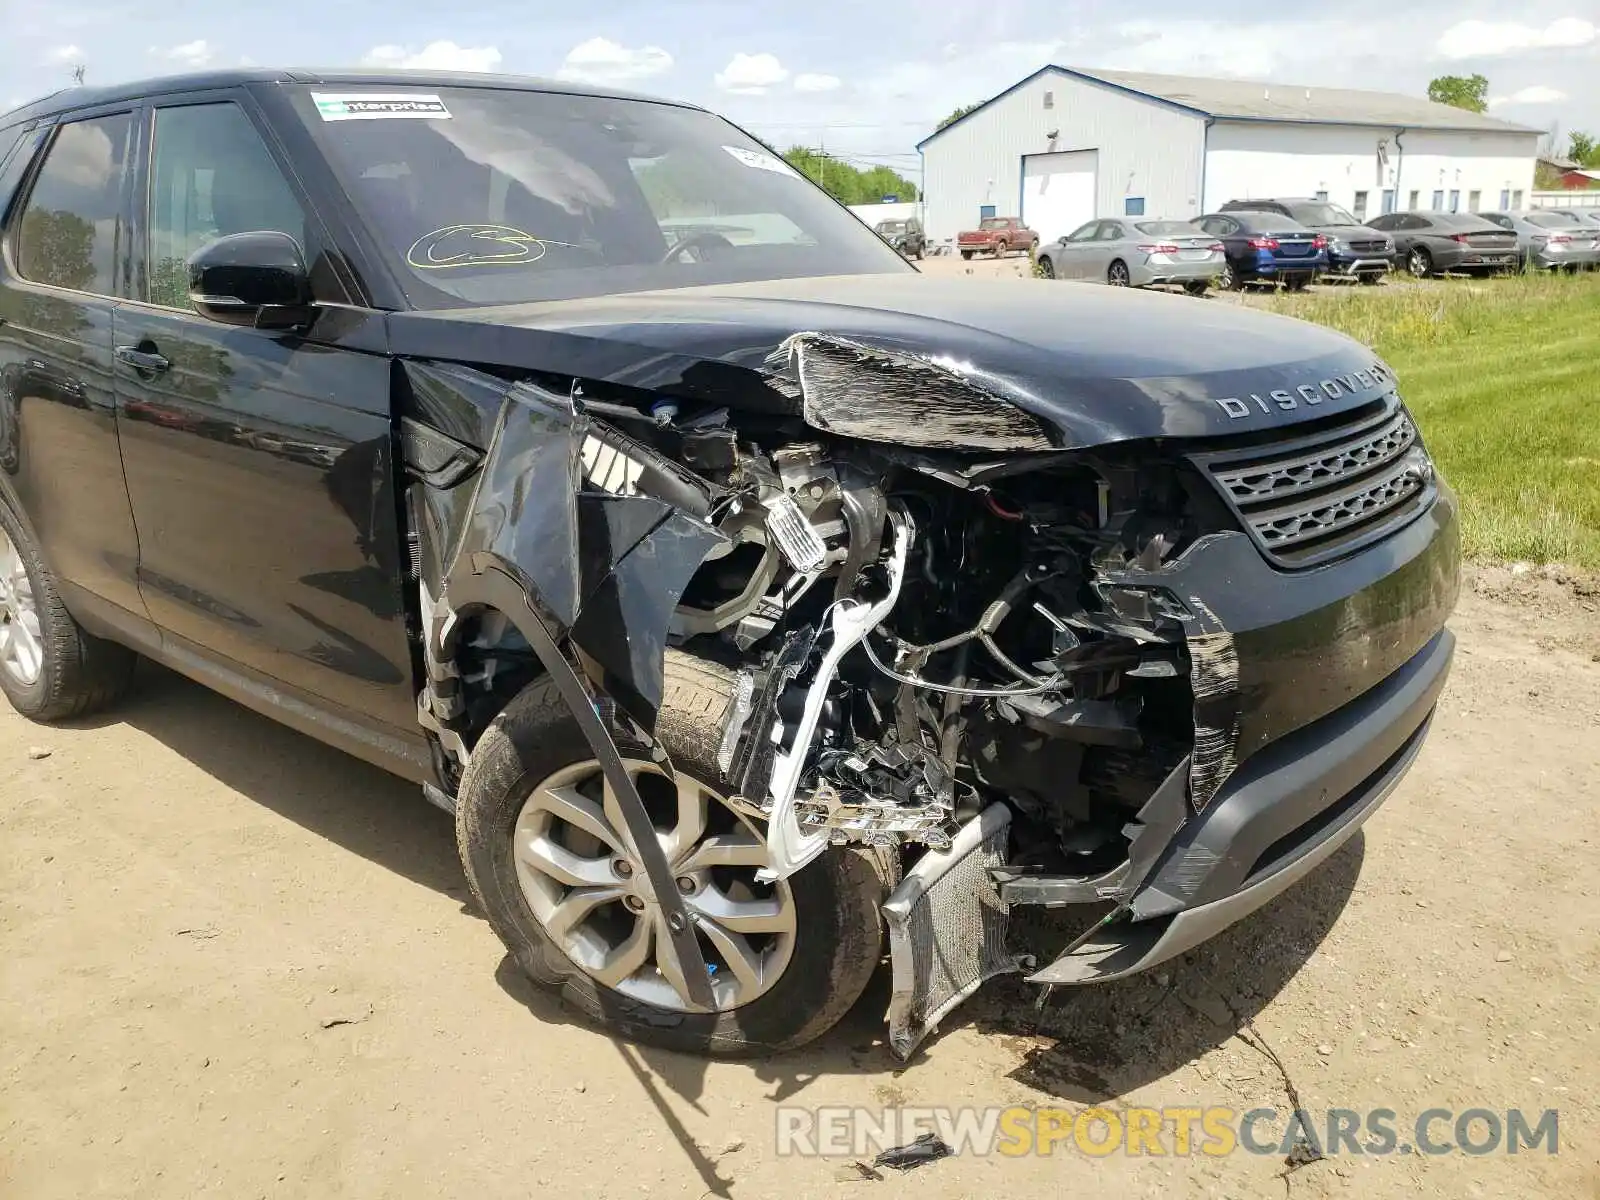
(1550, 238)
(1133, 252)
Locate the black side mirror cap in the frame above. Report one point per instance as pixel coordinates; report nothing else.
(256, 279)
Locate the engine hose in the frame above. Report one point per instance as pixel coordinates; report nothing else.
(952, 689)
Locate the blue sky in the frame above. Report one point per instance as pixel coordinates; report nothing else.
(864, 79)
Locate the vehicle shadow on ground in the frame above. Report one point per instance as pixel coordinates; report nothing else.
(1087, 1045)
(365, 810)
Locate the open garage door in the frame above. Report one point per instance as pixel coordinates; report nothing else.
(1058, 191)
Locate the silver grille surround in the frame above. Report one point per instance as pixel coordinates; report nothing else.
(1309, 499)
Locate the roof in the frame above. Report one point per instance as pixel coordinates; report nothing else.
(85, 97)
(1245, 100)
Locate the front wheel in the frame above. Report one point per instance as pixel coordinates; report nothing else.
(1297, 283)
(551, 863)
(1000, 249)
(1196, 287)
(966, 254)
(51, 669)
(1047, 269)
(1369, 279)
(1419, 262)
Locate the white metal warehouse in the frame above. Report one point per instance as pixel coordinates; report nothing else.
(1066, 145)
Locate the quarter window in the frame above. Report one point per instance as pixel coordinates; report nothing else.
(211, 175)
(72, 225)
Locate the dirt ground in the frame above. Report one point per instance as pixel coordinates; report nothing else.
(239, 964)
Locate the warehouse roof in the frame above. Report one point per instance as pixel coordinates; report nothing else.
(1244, 100)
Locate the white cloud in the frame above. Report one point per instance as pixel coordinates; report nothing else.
(1538, 94)
(600, 60)
(64, 54)
(1493, 39)
(751, 74)
(190, 54)
(808, 82)
(435, 56)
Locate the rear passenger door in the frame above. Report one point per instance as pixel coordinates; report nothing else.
(260, 465)
(66, 263)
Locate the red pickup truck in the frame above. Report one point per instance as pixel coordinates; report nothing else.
(998, 236)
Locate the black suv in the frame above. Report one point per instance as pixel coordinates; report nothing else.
(1355, 251)
(571, 455)
(905, 236)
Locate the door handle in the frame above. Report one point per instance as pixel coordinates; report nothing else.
(143, 361)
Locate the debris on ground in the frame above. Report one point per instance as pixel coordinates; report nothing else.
(857, 1172)
(38, 752)
(926, 1149)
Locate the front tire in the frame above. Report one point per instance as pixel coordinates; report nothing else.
(1047, 269)
(51, 669)
(1197, 287)
(1419, 262)
(819, 931)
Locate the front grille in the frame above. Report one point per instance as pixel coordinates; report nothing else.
(1314, 498)
(1366, 247)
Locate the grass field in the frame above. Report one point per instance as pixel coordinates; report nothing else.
(1504, 378)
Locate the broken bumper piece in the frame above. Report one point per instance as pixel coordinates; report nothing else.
(1281, 814)
(947, 929)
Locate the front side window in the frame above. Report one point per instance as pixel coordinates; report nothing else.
(499, 195)
(71, 227)
(1084, 232)
(211, 175)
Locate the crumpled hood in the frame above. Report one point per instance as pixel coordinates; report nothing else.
(1093, 364)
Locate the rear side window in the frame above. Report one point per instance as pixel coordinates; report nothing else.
(71, 226)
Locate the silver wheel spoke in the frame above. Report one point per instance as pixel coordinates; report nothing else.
(576, 809)
(563, 865)
(741, 849)
(692, 803)
(743, 916)
(574, 908)
(667, 960)
(29, 654)
(624, 960)
(744, 962)
(613, 812)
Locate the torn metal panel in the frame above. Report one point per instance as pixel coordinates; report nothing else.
(1214, 677)
(858, 390)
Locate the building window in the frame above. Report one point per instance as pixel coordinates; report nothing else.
(1516, 198)
(1474, 201)
(1438, 201)
(985, 211)
(1049, 99)
(1360, 209)
(1133, 206)
(1455, 199)
(1411, 205)
(1322, 195)
(1505, 198)
(1388, 200)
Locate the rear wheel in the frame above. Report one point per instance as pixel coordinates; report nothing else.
(550, 861)
(1196, 287)
(1117, 274)
(1297, 283)
(50, 668)
(1229, 280)
(1419, 262)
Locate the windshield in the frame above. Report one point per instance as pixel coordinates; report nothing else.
(1166, 227)
(494, 196)
(1320, 213)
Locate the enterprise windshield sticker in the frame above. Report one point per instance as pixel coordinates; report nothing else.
(762, 162)
(378, 106)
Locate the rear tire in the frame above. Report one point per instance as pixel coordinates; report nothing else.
(51, 669)
(1117, 274)
(1197, 287)
(1228, 280)
(1297, 283)
(838, 932)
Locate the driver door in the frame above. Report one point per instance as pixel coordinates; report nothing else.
(1074, 251)
(259, 466)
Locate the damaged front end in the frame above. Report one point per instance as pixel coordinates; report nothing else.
(1015, 669)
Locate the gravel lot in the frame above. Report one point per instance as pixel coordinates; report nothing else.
(240, 964)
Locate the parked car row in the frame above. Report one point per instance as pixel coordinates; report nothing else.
(1295, 241)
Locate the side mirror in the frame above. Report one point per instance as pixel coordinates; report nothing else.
(254, 279)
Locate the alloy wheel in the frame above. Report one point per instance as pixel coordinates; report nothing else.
(585, 883)
(1418, 263)
(1047, 268)
(1227, 281)
(1117, 276)
(21, 641)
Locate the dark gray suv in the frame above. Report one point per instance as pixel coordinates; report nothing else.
(1355, 251)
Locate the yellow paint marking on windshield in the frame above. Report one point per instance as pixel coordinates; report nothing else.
(477, 246)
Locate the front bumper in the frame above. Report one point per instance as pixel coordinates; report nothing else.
(1281, 815)
(1359, 264)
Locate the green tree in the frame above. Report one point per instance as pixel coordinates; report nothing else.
(57, 248)
(957, 115)
(1583, 148)
(1470, 92)
(848, 184)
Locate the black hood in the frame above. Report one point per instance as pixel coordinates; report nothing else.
(1094, 364)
